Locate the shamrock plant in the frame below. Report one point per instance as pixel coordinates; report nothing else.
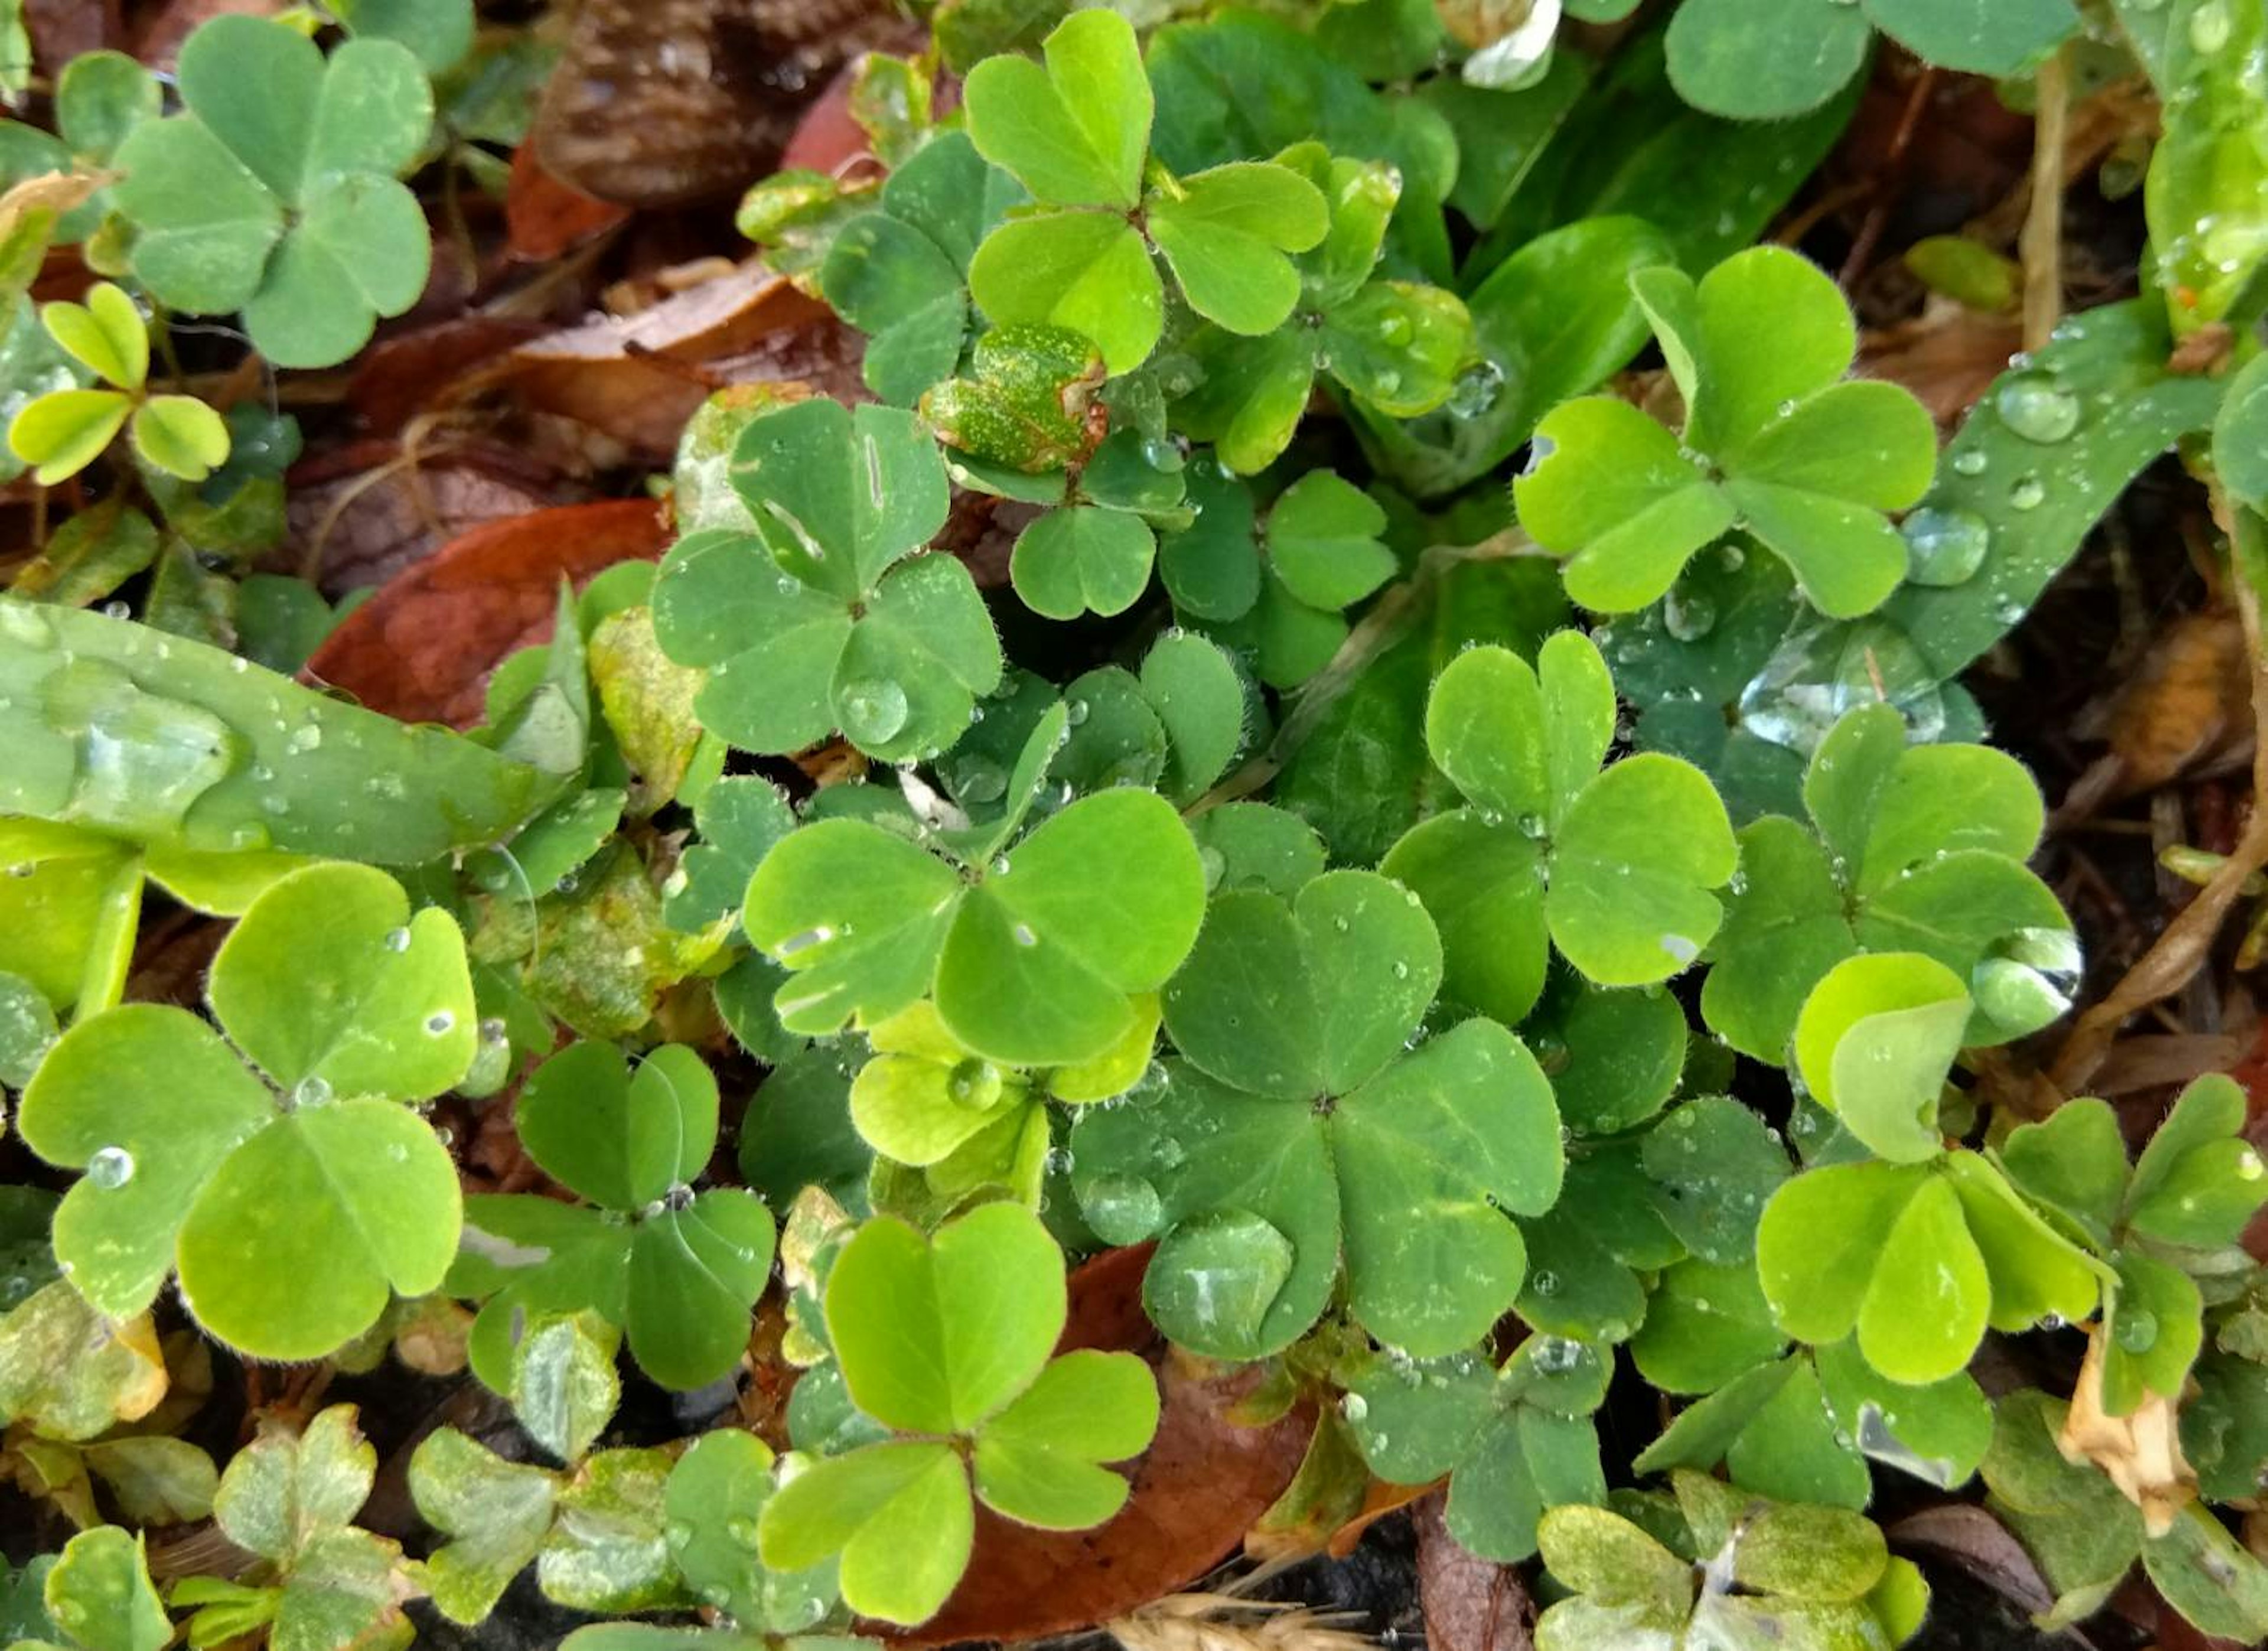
(1297, 1129)
(289, 1499)
(100, 97)
(1775, 442)
(900, 273)
(814, 619)
(197, 1158)
(1096, 905)
(1514, 1441)
(1077, 134)
(946, 1341)
(1398, 346)
(1742, 1571)
(967, 1125)
(2167, 1228)
(677, 1268)
(273, 192)
(64, 430)
(1277, 590)
(1613, 867)
(1915, 849)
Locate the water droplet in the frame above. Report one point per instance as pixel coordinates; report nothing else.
(742, 1530)
(981, 780)
(304, 739)
(1689, 615)
(2136, 1329)
(1401, 969)
(794, 943)
(2036, 407)
(115, 610)
(397, 940)
(1545, 1283)
(1023, 935)
(2248, 1165)
(1354, 1407)
(1529, 825)
(111, 1168)
(2209, 27)
(1476, 390)
(311, 1091)
(1076, 712)
(1123, 1209)
(1945, 547)
(440, 1023)
(873, 710)
(2027, 494)
(1970, 462)
(974, 1084)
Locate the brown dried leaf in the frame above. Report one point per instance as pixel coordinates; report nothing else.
(1980, 1544)
(421, 648)
(361, 514)
(2187, 707)
(1470, 1603)
(639, 378)
(1197, 1489)
(411, 372)
(2142, 1453)
(1947, 357)
(544, 216)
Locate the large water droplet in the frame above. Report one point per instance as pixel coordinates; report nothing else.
(1214, 1279)
(1945, 547)
(311, 1091)
(1123, 1209)
(1476, 390)
(2210, 26)
(974, 1084)
(2036, 407)
(1688, 615)
(111, 1168)
(873, 709)
(2136, 1329)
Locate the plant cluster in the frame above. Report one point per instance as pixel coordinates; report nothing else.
(1490, 935)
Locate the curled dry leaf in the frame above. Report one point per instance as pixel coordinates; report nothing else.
(2142, 1453)
(1470, 1603)
(360, 515)
(544, 216)
(2186, 708)
(1198, 1489)
(1965, 1535)
(421, 648)
(638, 377)
(411, 372)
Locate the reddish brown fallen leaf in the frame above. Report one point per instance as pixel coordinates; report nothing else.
(358, 515)
(1965, 1535)
(1946, 357)
(1470, 1603)
(638, 377)
(421, 648)
(827, 138)
(1197, 1491)
(543, 216)
(410, 372)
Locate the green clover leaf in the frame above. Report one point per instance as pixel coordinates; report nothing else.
(1513, 1442)
(1033, 958)
(100, 98)
(900, 273)
(1917, 849)
(947, 1339)
(817, 620)
(2165, 1229)
(678, 1269)
(1093, 554)
(1775, 441)
(1076, 134)
(1918, 1259)
(1730, 57)
(1296, 1127)
(275, 192)
(291, 1498)
(1397, 345)
(1616, 865)
(348, 1006)
(98, 1594)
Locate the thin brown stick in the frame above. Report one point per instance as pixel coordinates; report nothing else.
(2041, 243)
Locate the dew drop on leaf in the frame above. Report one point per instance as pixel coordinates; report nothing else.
(1476, 390)
(1688, 615)
(2036, 407)
(111, 1168)
(311, 1091)
(1123, 1209)
(440, 1023)
(1969, 463)
(1023, 935)
(2137, 1330)
(397, 940)
(874, 710)
(2027, 494)
(1945, 547)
